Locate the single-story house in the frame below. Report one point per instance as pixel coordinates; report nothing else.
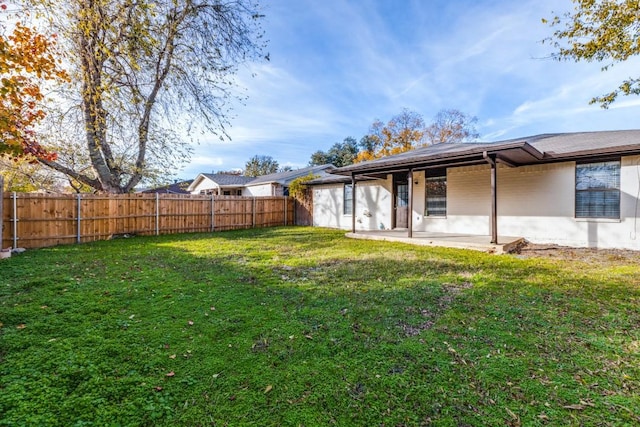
(218, 184)
(275, 184)
(573, 189)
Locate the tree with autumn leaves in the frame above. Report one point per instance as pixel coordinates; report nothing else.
(27, 61)
(606, 31)
(408, 130)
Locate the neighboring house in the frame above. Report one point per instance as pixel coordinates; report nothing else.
(178, 187)
(573, 189)
(277, 184)
(218, 184)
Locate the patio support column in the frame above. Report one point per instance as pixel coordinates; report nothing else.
(410, 203)
(353, 203)
(491, 159)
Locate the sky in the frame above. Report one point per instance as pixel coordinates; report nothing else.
(337, 65)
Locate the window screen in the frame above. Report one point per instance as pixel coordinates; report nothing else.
(598, 190)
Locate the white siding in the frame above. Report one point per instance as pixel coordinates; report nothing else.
(373, 206)
(204, 185)
(264, 190)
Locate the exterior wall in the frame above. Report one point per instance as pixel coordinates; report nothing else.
(205, 185)
(534, 202)
(264, 190)
(373, 206)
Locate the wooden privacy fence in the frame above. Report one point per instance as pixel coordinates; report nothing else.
(39, 220)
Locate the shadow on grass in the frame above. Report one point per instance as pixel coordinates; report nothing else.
(293, 326)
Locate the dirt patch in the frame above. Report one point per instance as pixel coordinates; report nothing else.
(588, 255)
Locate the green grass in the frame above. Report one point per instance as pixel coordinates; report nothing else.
(300, 326)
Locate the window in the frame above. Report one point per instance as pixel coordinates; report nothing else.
(348, 199)
(436, 196)
(598, 190)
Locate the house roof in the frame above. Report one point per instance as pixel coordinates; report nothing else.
(285, 178)
(175, 188)
(544, 148)
(228, 180)
(222, 180)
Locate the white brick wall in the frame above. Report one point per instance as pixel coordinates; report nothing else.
(534, 202)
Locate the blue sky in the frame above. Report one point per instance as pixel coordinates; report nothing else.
(337, 65)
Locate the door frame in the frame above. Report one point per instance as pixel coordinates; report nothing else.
(397, 181)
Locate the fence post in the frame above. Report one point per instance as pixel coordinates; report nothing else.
(15, 220)
(285, 210)
(253, 213)
(157, 214)
(78, 206)
(213, 217)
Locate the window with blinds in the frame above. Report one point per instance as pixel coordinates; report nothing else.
(598, 190)
(436, 196)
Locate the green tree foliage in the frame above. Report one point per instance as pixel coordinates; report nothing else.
(260, 165)
(599, 30)
(340, 154)
(298, 187)
(143, 74)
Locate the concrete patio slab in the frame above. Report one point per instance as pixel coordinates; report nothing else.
(482, 243)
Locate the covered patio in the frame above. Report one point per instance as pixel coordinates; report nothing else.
(448, 240)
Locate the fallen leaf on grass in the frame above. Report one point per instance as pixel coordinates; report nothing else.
(157, 388)
(190, 322)
(268, 389)
(575, 406)
(21, 326)
(171, 374)
(173, 356)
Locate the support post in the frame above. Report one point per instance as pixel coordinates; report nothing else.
(78, 218)
(353, 203)
(15, 220)
(491, 159)
(410, 203)
(157, 214)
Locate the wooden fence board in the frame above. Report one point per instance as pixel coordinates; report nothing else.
(52, 219)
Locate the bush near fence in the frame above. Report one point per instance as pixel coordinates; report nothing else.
(38, 220)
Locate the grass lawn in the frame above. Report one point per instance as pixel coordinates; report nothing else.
(300, 326)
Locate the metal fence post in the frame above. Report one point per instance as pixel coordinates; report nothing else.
(79, 205)
(285, 210)
(253, 213)
(15, 220)
(213, 217)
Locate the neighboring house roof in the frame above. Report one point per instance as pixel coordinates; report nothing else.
(175, 188)
(545, 148)
(285, 178)
(222, 180)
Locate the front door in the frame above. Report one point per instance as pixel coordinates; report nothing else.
(401, 204)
